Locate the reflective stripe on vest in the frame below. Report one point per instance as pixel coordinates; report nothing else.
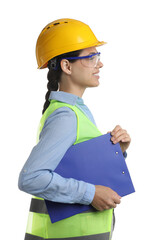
(102, 236)
(39, 206)
(88, 225)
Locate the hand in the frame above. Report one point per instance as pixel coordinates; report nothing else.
(120, 135)
(105, 198)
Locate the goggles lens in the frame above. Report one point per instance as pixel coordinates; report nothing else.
(89, 60)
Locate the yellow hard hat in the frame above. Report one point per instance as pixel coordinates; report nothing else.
(62, 36)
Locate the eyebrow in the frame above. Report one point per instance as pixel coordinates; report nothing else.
(92, 53)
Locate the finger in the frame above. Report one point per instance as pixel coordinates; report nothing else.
(117, 201)
(117, 198)
(120, 138)
(111, 205)
(126, 139)
(117, 128)
(114, 205)
(119, 133)
(107, 207)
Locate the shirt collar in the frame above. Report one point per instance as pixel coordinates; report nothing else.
(65, 97)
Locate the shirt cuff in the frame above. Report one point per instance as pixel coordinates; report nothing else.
(125, 154)
(88, 195)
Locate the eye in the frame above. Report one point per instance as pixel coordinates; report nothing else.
(92, 58)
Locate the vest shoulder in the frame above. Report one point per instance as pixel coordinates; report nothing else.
(62, 112)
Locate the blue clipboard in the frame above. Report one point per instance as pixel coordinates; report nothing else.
(97, 161)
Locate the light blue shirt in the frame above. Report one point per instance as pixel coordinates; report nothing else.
(59, 132)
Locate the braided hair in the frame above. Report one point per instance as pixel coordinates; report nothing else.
(54, 74)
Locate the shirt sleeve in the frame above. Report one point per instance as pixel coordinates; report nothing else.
(38, 177)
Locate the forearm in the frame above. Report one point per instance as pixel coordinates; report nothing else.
(53, 187)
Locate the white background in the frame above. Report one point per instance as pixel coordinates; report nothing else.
(125, 97)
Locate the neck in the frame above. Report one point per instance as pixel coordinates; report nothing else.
(76, 90)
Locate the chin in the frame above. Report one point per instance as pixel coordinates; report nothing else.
(97, 84)
(94, 85)
(95, 81)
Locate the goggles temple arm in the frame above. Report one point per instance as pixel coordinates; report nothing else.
(88, 56)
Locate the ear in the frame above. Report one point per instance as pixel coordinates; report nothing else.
(65, 66)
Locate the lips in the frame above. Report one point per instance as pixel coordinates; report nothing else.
(96, 74)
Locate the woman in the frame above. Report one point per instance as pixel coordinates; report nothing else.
(68, 48)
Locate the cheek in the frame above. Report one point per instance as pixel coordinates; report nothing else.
(85, 73)
(81, 75)
(86, 76)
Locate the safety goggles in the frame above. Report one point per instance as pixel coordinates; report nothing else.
(87, 61)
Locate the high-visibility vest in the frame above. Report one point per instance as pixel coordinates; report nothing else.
(89, 225)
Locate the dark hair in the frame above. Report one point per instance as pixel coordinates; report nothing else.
(54, 74)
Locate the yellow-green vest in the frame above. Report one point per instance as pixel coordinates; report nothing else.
(89, 225)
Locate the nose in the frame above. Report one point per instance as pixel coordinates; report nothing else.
(99, 64)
